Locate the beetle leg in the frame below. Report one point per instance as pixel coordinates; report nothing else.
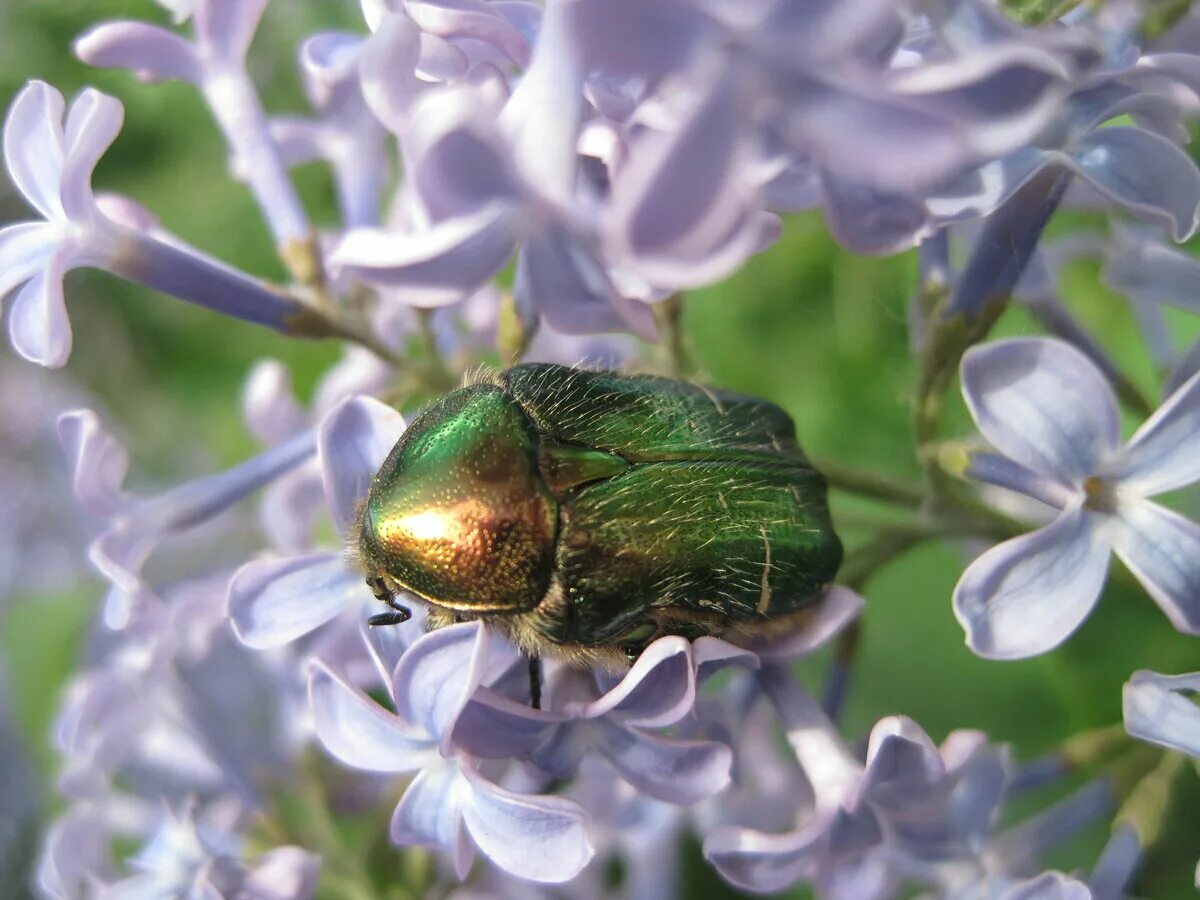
(384, 594)
(394, 617)
(535, 682)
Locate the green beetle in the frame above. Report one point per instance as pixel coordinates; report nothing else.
(586, 513)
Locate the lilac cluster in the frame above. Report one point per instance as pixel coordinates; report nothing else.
(609, 155)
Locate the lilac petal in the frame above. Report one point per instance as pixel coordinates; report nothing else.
(982, 190)
(453, 258)
(646, 40)
(438, 675)
(542, 839)
(353, 440)
(836, 610)
(357, 730)
(1026, 595)
(93, 123)
(98, 461)
(460, 163)
(1118, 862)
(284, 873)
(1162, 455)
(901, 761)
(542, 118)
(765, 863)
(710, 655)
(1042, 403)
(1143, 172)
(24, 249)
(470, 19)
(841, 126)
(299, 140)
(869, 220)
(670, 769)
(558, 276)
(429, 814)
(37, 323)
(992, 468)
(33, 146)
(387, 645)
(226, 27)
(1048, 886)
(1161, 709)
(269, 404)
(1162, 549)
(659, 690)
(492, 726)
(1139, 264)
(150, 52)
(1188, 365)
(274, 601)
(680, 205)
(387, 68)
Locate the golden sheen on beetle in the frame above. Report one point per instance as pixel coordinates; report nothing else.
(585, 514)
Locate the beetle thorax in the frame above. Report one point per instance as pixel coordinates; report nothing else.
(459, 514)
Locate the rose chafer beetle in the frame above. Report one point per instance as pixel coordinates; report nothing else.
(586, 513)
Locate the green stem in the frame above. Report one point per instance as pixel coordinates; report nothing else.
(870, 484)
(865, 562)
(437, 376)
(1145, 809)
(669, 315)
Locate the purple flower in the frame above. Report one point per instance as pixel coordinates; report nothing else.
(181, 858)
(52, 168)
(345, 134)
(487, 181)
(136, 526)
(1160, 709)
(1139, 168)
(618, 725)
(215, 62)
(450, 804)
(178, 707)
(1053, 418)
(902, 795)
(275, 600)
(291, 503)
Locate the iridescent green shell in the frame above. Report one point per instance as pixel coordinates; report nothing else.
(586, 509)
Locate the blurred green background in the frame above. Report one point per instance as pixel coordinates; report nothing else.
(805, 324)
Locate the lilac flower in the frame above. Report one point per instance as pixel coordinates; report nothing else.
(136, 526)
(803, 82)
(489, 182)
(450, 804)
(911, 813)
(1152, 274)
(181, 858)
(275, 600)
(178, 707)
(180, 861)
(174, 713)
(1139, 168)
(1053, 418)
(618, 725)
(52, 168)
(42, 534)
(901, 796)
(214, 62)
(1160, 709)
(290, 504)
(346, 133)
